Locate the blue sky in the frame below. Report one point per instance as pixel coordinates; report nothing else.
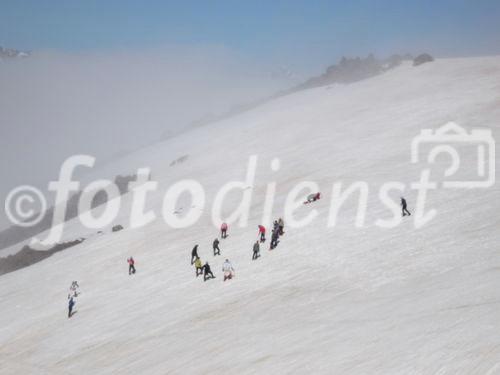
(319, 31)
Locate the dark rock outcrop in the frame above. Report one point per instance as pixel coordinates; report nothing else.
(16, 233)
(179, 160)
(422, 59)
(350, 70)
(28, 256)
(117, 228)
(11, 53)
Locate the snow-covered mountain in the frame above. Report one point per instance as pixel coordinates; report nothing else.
(11, 53)
(329, 300)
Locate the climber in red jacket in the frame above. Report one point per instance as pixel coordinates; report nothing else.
(262, 232)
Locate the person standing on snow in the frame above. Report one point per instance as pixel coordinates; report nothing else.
(74, 290)
(199, 267)
(312, 197)
(71, 304)
(131, 265)
(223, 230)
(256, 250)
(215, 245)
(207, 272)
(194, 254)
(274, 239)
(275, 226)
(228, 270)
(262, 233)
(281, 226)
(404, 209)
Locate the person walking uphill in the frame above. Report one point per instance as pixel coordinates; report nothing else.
(262, 233)
(228, 270)
(194, 254)
(71, 304)
(403, 207)
(207, 272)
(256, 250)
(215, 245)
(281, 226)
(198, 266)
(274, 239)
(74, 290)
(223, 230)
(275, 226)
(131, 265)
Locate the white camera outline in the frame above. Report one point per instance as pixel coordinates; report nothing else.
(450, 133)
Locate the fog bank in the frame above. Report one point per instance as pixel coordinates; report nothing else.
(53, 104)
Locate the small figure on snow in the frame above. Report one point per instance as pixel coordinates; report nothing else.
(131, 265)
(262, 233)
(215, 245)
(223, 230)
(207, 272)
(275, 226)
(256, 250)
(404, 209)
(228, 270)
(281, 226)
(71, 304)
(194, 254)
(313, 197)
(199, 267)
(74, 289)
(274, 239)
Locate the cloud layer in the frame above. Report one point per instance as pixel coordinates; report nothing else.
(53, 105)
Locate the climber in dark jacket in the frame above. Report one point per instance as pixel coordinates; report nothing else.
(403, 207)
(207, 272)
(71, 304)
(216, 247)
(194, 254)
(274, 238)
(256, 250)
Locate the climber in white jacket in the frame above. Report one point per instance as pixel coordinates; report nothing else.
(228, 270)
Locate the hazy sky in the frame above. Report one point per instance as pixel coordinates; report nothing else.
(142, 68)
(299, 30)
(55, 104)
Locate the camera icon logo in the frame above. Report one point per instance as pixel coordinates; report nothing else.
(478, 169)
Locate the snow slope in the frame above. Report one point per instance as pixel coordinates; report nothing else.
(328, 300)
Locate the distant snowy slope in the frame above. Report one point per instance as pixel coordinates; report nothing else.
(11, 53)
(340, 300)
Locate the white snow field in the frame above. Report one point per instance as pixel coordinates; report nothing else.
(328, 300)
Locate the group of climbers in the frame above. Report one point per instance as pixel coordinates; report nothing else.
(201, 269)
(227, 267)
(204, 269)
